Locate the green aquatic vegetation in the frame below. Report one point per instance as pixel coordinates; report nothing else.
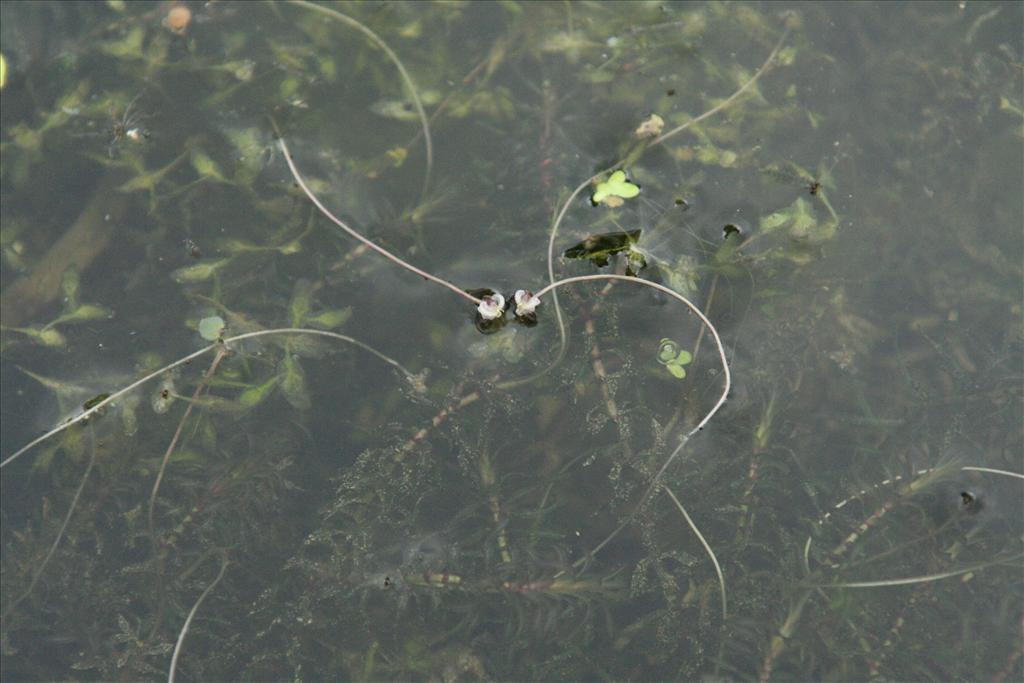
(211, 328)
(207, 167)
(673, 358)
(800, 223)
(199, 272)
(74, 312)
(613, 190)
(493, 509)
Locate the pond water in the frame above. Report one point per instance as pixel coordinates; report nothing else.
(426, 495)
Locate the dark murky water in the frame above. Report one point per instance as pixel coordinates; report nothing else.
(449, 505)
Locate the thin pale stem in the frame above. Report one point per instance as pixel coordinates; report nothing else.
(657, 141)
(84, 415)
(727, 386)
(221, 352)
(990, 470)
(678, 297)
(729, 100)
(409, 84)
(353, 233)
(191, 615)
(157, 556)
(707, 548)
(63, 526)
(920, 579)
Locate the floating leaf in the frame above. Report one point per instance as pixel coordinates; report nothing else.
(667, 350)
(673, 358)
(600, 247)
(211, 328)
(615, 186)
(95, 400)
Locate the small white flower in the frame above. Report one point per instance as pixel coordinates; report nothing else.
(491, 307)
(526, 303)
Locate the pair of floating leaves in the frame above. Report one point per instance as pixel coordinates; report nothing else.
(599, 249)
(613, 191)
(673, 358)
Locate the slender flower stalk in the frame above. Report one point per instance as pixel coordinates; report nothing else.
(353, 233)
(560, 216)
(428, 142)
(100, 405)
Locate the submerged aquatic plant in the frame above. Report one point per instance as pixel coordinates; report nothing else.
(499, 515)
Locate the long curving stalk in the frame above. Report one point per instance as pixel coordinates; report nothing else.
(191, 614)
(86, 414)
(563, 336)
(726, 387)
(409, 84)
(353, 233)
(63, 527)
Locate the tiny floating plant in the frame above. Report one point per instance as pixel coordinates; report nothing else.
(673, 358)
(614, 191)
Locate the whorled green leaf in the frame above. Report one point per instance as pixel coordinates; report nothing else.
(256, 395)
(301, 303)
(328, 320)
(47, 336)
(293, 383)
(207, 167)
(83, 313)
(799, 221)
(198, 272)
(676, 370)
